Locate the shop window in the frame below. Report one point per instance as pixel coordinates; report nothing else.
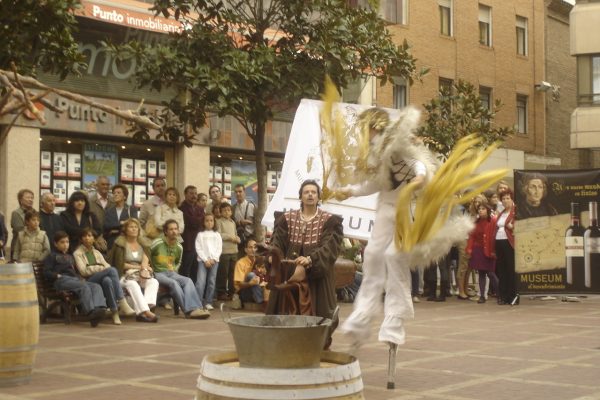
(69, 165)
(485, 25)
(521, 36)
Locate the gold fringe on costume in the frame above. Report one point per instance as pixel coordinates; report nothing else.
(440, 196)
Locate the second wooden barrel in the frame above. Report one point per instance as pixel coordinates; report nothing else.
(19, 323)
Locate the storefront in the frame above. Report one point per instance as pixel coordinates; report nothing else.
(77, 145)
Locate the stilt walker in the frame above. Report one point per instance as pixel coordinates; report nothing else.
(415, 220)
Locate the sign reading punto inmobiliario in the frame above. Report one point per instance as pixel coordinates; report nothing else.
(132, 17)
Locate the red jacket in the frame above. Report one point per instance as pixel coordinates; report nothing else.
(489, 238)
(509, 220)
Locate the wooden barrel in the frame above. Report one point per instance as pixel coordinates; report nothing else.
(19, 323)
(221, 378)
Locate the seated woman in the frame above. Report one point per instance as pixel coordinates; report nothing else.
(132, 260)
(92, 266)
(115, 216)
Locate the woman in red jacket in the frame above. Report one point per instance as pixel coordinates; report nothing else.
(481, 249)
(505, 249)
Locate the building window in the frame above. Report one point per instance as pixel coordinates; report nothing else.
(400, 93)
(588, 79)
(445, 7)
(521, 36)
(485, 25)
(395, 11)
(485, 96)
(359, 91)
(521, 114)
(445, 87)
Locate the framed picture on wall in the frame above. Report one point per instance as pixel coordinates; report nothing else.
(152, 167)
(45, 181)
(227, 174)
(162, 169)
(74, 166)
(140, 171)
(72, 187)
(46, 160)
(60, 164)
(59, 189)
(139, 195)
(126, 169)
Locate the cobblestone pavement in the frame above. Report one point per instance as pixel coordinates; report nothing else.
(457, 350)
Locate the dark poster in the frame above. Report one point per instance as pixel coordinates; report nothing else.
(557, 239)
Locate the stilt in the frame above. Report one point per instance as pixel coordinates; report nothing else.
(391, 384)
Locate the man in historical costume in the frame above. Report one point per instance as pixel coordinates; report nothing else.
(312, 239)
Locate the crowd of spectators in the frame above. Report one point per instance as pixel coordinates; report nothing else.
(192, 247)
(105, 251)
(488, 251)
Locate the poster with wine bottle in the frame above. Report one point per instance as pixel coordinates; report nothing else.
(557, 237)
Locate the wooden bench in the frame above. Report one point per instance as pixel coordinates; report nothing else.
(50, 298)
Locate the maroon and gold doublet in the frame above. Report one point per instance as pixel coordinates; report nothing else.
(321, 239)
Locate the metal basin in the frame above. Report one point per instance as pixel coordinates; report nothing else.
(279, 341)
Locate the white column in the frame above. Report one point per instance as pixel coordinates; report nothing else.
(19, 168)
(192, 165)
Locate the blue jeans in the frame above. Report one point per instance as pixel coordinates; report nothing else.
(90, 294)
(109, 280)
(181, 288)
(252, 293)
(205, 284)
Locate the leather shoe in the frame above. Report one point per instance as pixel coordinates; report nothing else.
(143, 318)
(95, 316)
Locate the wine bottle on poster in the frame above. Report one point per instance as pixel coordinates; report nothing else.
(574, 249)
(591, 243)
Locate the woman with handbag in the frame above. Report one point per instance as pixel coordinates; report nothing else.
(115, 216)
(78, 217)
(132, 261)
(94, 268)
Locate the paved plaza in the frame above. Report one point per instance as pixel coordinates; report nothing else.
(457, 350)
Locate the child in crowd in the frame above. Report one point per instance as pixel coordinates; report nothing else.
(60, 271)
(481, 249)
(32, 244)
(248, 283)
(226, 227)
(208, 248)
